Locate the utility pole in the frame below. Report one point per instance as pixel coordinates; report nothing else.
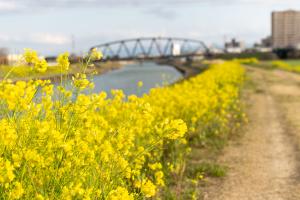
(73, 43)
(224, 39)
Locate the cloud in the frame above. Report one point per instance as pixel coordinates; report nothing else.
(160, 8)
(4, 5)
(47, 38)
(163, 13)
(17, 4)
(8, 6)
(37, 38)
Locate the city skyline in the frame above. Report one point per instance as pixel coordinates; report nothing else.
(49, 26)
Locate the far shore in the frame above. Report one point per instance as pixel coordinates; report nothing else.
(24, 73)
(54, 75)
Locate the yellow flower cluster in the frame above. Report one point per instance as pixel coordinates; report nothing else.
(140, 84)
(63, 61)
(31, 57)
(87, 146)
(95, 54)
(246, 61)
(119, 194)
(81, 82)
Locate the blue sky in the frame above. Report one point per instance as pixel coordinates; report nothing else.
(48, 26)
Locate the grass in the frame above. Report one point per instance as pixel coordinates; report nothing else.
(285, 65)
(208, 169)
(202, 165)
(293, 62)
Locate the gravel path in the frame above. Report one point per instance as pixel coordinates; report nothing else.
(265, 163)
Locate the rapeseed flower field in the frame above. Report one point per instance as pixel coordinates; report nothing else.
(285, 66)
(76, 144)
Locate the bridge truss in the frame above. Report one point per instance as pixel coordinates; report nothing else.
(152, 48)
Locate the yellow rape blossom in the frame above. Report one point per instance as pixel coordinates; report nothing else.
(39, 197)
(81, 82)
(148, 188)
(155, 166)
(6, 171)
(17, 192)
(159, 178)
(41, 66)
(119, 194)
(30, 56)
(96, 54)
(63, 61)
(140, 84)
(175, 129)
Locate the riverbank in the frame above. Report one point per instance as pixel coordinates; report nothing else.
(188, 69)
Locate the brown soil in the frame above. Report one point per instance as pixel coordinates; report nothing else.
(264, 164)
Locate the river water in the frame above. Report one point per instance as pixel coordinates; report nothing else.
(127, 78)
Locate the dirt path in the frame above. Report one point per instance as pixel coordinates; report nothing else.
(265, 163)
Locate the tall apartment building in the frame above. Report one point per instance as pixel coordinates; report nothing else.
(286, 29)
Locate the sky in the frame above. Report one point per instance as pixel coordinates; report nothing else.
(55, 26)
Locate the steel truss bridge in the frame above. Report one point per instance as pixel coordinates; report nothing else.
(152, 48)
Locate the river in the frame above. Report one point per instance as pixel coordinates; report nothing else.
(127, 78)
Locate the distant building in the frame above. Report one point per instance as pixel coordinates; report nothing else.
(286, 29)
(51, 60)
(3, 56)
(214, 50)
(264, 46)
(18, 59)
(234, 46)
(176, 49)
(14, 59)
(267, 41)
